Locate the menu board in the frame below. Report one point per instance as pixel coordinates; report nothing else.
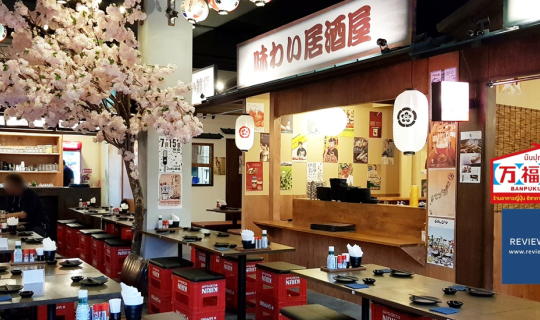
(470, 160)
(170, 155)
(254, 176)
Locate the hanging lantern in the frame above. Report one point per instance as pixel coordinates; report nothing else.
(223, 7)
(244, 132)
(3, 33)
(260, 3)
(410, 122)
(194, 10)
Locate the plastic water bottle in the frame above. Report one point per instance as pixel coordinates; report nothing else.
(80, 203)
(264, 240)
(18, 254)
(331, 260)
(83, 309)
(160, 222)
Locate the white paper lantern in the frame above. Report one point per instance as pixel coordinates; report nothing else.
(331, 121)
(223, 7)
(244, 132)
(3, 33)
(194, 10)
(410, 121)
(260, 3)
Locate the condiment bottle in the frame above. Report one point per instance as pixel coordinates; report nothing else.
(264, 241)
(18, 254)
(160, 222)
(80, 203)
(83, 309)
(331, 261)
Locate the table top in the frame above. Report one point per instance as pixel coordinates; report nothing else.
(13, 238)
(114, 219)
(90, 211)
(394, 292)
(207, 243)
(228, 210)
(349, 235)
(58, 286)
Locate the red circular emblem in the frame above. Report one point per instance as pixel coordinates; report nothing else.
(244, 132)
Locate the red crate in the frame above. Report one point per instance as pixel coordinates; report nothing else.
(231, 299)
(158, 302)
(380, 312)
(126, 233)
(98, 250)
(85, 243)
(61, 235)
(116, 251)
(72, 239)
(207, 295)
(268, 309)
(199, 315)
(200, 261)
(64, 311)
(230, 269)
(281, 287)
(160, 272)
(110, 229)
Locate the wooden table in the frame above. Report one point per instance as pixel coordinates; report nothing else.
(114, 219)
(90, 211)
(58, 288)
(233, 213)
(207, 245)
(12, 238)
(394, 292)
(164, 316)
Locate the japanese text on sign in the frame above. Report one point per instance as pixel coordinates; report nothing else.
(340, 33)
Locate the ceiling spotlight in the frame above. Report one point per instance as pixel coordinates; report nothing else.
(122, 10)
(220, 86)
(383, 44)
(223, 7)
(260, 3)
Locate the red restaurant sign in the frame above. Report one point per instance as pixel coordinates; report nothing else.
(71, 145)
(516, 177)
(343, 32)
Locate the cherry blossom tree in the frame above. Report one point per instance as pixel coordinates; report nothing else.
(79, 66)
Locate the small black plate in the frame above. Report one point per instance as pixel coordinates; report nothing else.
(221, 245)
(33, 240)
(223, 235)
(378, 272)
(194, 229)
(449, 290)
(71, 263)
(94, 281)
(10, 288)
(25, 233)
(26, 294)
(3, 268)
(454, 304)
(122, 218)
(480, 292)
(424, 299)
(77, 278)
(401, 273)
(345, 279)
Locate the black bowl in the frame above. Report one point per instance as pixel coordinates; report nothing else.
(52, 263)
(449, 290)
(77, 278)
(185, 228)
(232, 245)
(207, 234)
(16, 272)
(378, 272)
(26, 294)
(369, 280)
(454, 304)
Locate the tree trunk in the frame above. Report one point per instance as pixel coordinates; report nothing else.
(138, 223)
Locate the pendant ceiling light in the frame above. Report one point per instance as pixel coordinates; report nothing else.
(410, 121)
(244, 132)
(3, 33)
(194, 10)
(223, 7)
(260, 3)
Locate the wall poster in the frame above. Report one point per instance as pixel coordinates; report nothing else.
(254, 176)
(170, 191)
(470, 162)
(170, 155)
(299, 148)
(349, 128)
(256, 110)
(315, 172)
(360, 150)
(373, 177)
(219, 166)
(265, 147)
(442, 145)
(388, 151)
(330, 149)
(286, 176)
(287, 124)
(375, 124)
(345, 171)
(442, 192)
(441, 242)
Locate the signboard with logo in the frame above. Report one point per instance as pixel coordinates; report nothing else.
(340, 33)
(204, 83)
(71, 145)
(520, 12)
(516, 177)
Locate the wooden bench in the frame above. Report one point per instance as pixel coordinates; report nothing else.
(222, 226)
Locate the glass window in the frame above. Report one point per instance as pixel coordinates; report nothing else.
(202, 170)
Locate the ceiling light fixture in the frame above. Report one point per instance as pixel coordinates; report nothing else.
(171, 12)
(122, 10)
(244, 132)
(61, 1)
(46, 27)
(410, 121)
(220, 86)
(260, 3)
(3, 33)
(194, 10)
(223, 7)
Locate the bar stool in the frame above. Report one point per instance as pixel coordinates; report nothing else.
(159, 282)
(311, 312)
(199, 294)
(116, 251)
(98, 250)
(72, 239)
(277, 288)
(85, 243)
(61, 235)
(230, 270)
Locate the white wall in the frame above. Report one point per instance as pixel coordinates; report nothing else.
(161, 44)
(203, 198)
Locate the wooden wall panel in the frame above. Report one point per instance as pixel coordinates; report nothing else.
(514, 58)
(255, 208)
